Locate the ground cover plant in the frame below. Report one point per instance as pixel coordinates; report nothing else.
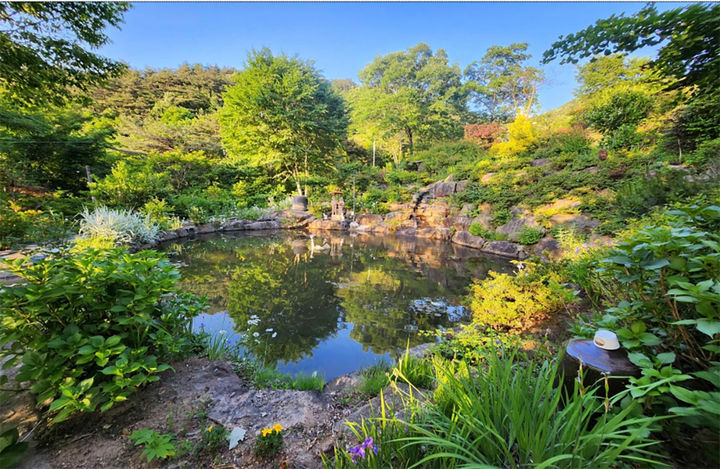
(89, 328)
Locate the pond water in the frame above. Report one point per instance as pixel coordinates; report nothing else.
(331, 304)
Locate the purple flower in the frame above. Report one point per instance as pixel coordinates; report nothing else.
(202, 325)
(357, 452)
(368, 444)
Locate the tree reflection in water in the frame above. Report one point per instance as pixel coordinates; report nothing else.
(288, 293)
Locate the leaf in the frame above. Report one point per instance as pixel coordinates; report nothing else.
(666, 358)
(658, 264)
(708, 327)
(639, 359)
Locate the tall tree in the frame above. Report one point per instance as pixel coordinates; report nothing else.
(282, 114)
(502, 83)
(689, 39)
(414, 93)
(44, 48)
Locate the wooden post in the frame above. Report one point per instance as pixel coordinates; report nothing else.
(373, 152)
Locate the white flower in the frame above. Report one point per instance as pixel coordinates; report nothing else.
(256, 334)
(269, 330)
(221, 331)
(274, 335)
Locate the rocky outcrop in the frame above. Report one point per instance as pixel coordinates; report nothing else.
(512, 229)
(465, 238)
(444, 188)
(329, 225)
(505, 249)
(574, 221)
(547, 249)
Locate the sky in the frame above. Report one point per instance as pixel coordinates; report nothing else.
(342, 38)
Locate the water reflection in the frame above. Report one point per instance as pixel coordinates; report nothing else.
(332, 304)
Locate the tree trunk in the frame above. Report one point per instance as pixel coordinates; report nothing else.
(408, 131)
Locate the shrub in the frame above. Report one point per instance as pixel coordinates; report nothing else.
(521, 137)
(660, 286)
(529, 235)
(502, 216)
(483, 134)
(156, 445)
(131, 184)
(94, 326)
(124, 226)
(517, 302)
(159, 212)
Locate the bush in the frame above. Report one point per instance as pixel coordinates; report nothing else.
(124, 226)
(131, 185)
(517, 302)
(661, 289)
(529, 235)
(92, 327)
(521, 137)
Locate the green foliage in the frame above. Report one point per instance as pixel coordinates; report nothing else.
(473, 343)
(502, 216)
(517, 302)
(481, 420)
(269, 377)
(50, 43)
(408, 97)
(256, 126)
(502, 83)
(269, 442)
(156, 445)
(662, 296)
(130, 186)
(122, 226)
(92, 327)
(212, 439)
(529, 235)
(415, 371)
(11, 450)
(522, 137)
(618, 117)
(375, 378)
(688, 36)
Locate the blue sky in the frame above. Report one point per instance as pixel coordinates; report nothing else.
(343, 37)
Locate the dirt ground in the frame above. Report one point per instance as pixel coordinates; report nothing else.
(199, 393)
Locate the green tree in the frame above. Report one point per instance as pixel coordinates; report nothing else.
(281, 113)
(414, 94)
(501, 83)
(689, 39)
(44, 48)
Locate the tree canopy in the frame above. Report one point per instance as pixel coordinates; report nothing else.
(281, 113)
(44, 47)
(501, 83)
(689, 39)
(414, 94)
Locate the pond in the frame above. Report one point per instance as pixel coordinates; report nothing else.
(332, 304)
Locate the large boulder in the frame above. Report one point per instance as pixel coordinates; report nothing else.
(235, 225)
(548, 249)
(465, 238)
(368, 219)
(505, 248)
(207, 228)
(512, 229)
(575, 221)
(459, 223)
(329, 225)
(263, 225)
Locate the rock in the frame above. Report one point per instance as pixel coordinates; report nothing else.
(459, 223)
(369, 219)
(461, 186)
(559, 205)
(503, 248)
(547, 249)
(167, 235)
(466, 210)
(187, 230)
(207, 228)
(572, 220)
(514, 227)
(442, 189)
(235, 225)
(396, 216)
(487, 177)
(483, 219)
(329, 225)
(406, 232)
(263, 225)
(432, 212)
(442, 233)
(540, 162)
(380, 229)
(465, 238)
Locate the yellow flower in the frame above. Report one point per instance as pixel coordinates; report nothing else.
(210, 428)
(277, 427)
(266, 431)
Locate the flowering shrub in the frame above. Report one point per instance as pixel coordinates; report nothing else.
(483, 134)
(270, 441)
(362, 450)
(515, 302)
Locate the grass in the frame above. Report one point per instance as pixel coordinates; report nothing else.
(269, 377)
(375, 378)
(508, 415)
